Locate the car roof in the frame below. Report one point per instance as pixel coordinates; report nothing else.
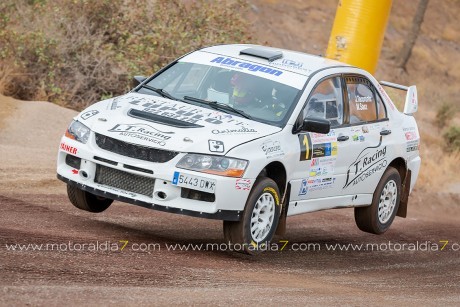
(294, 61)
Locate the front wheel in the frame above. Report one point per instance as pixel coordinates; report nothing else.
(259, 221)
(87, 201)
(378, 217)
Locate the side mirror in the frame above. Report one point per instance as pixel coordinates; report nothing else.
(318, 125)
(138, 80)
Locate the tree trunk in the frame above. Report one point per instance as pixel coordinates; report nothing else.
(413, 34)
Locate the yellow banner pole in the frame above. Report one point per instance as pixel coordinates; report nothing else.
(358, 31)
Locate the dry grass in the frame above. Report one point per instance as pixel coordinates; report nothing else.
(439, 169)
(5, 72)
(77, 52)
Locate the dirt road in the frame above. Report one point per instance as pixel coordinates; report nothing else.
(105, 258)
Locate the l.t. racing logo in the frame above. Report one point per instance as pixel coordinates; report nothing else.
(369, 161)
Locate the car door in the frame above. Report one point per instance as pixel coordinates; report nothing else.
(313, 176)
(361, 142)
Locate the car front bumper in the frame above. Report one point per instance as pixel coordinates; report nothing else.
(142, 183)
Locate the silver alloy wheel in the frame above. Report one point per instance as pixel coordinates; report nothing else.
(262, 217)
(387, 201)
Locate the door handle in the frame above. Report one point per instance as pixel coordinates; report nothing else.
(385, 132)
(343, 138)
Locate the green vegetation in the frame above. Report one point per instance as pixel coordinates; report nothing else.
(75, 52)
(445, 114)
(452, 138)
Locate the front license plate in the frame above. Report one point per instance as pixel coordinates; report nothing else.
(194, 182)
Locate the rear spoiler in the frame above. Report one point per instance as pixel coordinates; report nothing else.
(411, 104)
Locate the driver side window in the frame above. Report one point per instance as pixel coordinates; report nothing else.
(326, 102)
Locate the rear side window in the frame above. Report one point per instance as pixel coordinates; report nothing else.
(381, 111)
(364, 104)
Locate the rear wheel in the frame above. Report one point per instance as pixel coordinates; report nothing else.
(87, 201)
(378, 217)
(259, 221)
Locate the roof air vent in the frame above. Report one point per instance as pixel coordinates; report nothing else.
(269, 55)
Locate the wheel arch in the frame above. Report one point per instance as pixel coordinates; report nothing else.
(277, 172)
(401, 166)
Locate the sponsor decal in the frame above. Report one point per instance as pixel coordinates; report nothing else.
(411, 135)
(323, 138)
(322, 166)
(324, 150)
(290, 64)
(272, 190)
(229, 62)
(143, 132)
(68, 148)
(413, 98)
(180, 111)
(305, 146)
(89, 114)
(243, 184)
(272, 149)
(321, 184)
(75, 171)
(369, 161)
(216, 146)
(386, 97)
(303, 187)
(117, 191)
(358, 137)
(242, 130)
(412, 146)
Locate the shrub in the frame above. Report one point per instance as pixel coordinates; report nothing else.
(452, 138)
(444, 115)
(75, 52)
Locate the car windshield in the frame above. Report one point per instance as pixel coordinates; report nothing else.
(253, 92)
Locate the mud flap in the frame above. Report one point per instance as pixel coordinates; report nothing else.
(402, 210)
(281, 228)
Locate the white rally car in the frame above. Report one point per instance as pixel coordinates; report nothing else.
(248, 135)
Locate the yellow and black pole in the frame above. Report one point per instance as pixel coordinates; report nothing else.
(358, 31)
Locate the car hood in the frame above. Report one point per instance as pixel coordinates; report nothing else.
(171, 125)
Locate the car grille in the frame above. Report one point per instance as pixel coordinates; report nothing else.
(134, 151)
(125, 181)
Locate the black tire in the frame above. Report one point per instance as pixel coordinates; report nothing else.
(369, 219)
(264, 192)
(87, 201)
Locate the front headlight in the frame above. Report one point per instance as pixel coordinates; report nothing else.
(216, 165)
(77, 131)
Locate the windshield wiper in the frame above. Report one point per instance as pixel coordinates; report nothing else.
(219, 106)
(160, 91)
